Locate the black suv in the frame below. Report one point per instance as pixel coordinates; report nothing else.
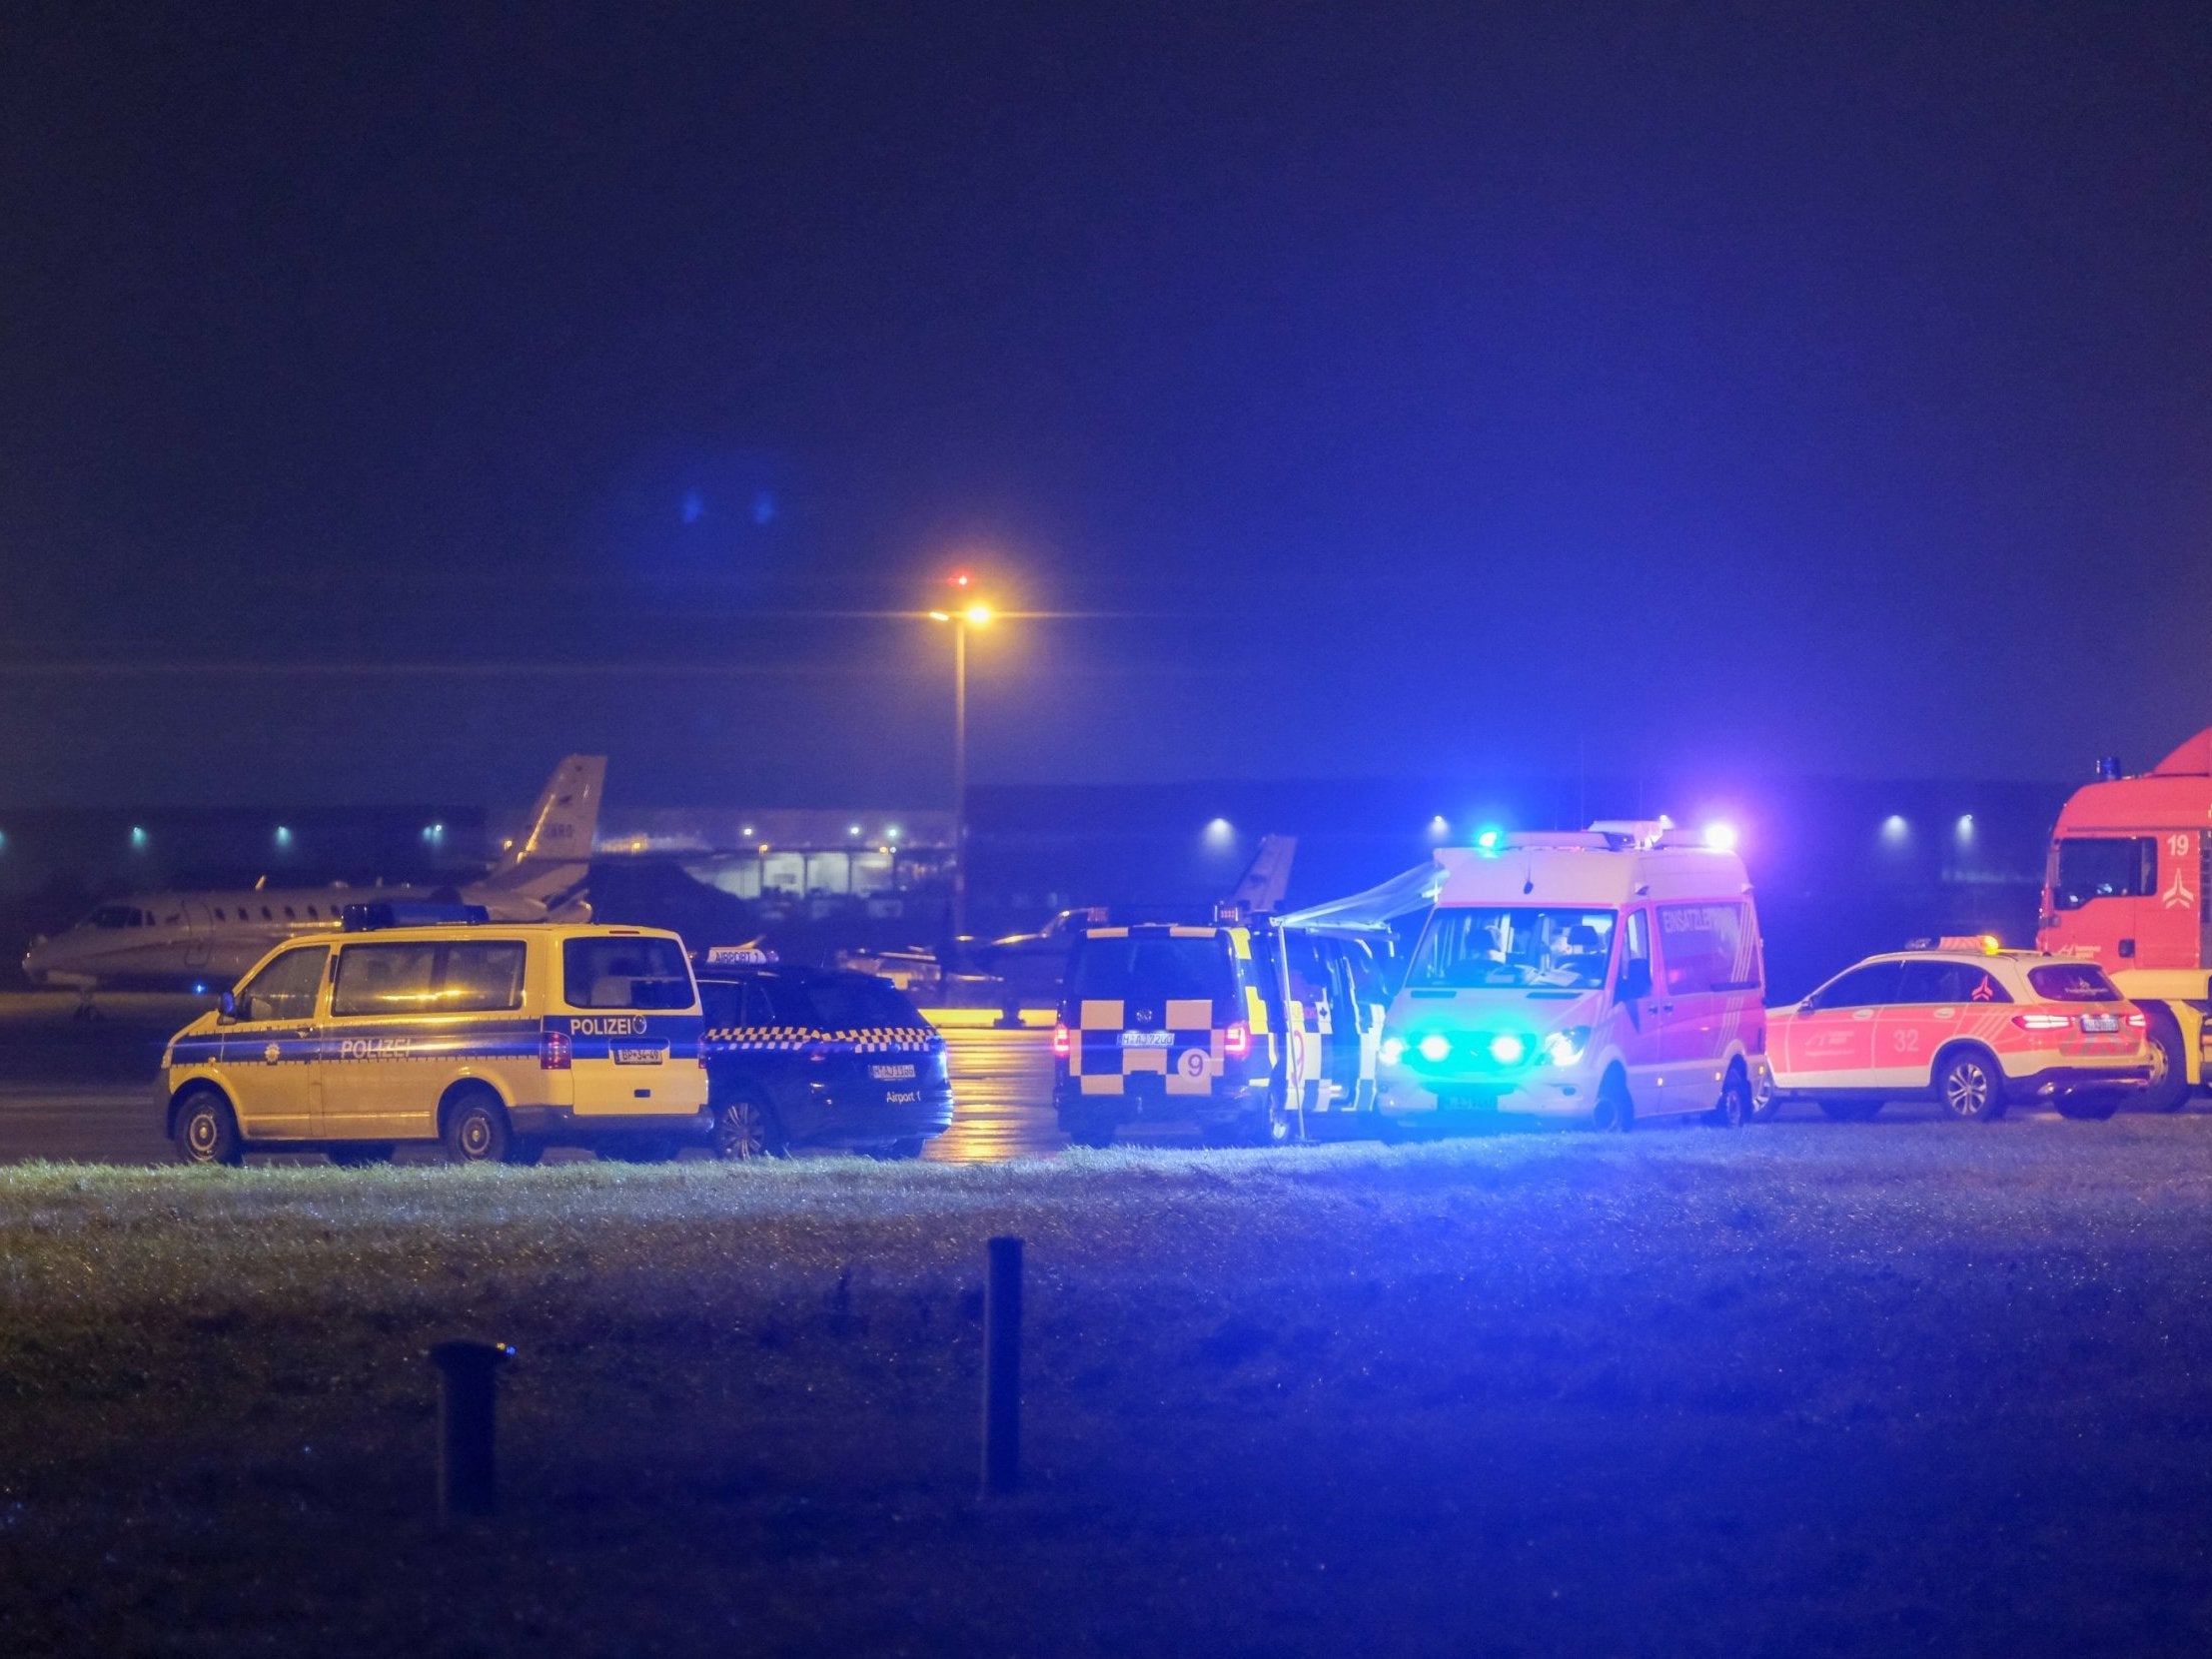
(807, 1057)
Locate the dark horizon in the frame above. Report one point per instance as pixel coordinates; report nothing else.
(1413, 393)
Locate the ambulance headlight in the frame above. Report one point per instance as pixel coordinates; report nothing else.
(1565, 1047)
(1509, 1048)
(1393, 1050)
(1435, 1048)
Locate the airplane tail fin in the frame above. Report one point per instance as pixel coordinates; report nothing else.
(1268, 879)
(550, 860)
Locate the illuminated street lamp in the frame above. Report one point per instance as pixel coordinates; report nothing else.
(967, 612)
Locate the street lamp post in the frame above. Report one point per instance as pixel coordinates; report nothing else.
(973, 614)
(959, 779)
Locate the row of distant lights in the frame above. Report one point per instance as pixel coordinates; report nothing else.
(1220, 833)
(1897, 831)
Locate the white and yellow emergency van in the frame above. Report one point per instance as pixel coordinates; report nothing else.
(493, 1040)
(1608, 975)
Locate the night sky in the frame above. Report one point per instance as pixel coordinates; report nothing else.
(1404, 389)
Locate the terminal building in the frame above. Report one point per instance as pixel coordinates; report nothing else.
(786, 852)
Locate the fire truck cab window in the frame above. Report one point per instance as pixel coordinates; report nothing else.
(2103, 866)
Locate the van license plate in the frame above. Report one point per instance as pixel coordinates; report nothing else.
(1147, 1038)
(641, 1057)
(2100, 1022)
(891, 1074)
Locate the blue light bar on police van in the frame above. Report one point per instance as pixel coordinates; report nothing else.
(409, 913)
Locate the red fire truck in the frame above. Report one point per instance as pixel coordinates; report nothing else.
(2126, 886)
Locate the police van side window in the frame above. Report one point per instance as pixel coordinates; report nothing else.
(383, 979)
(286, 988)
(481, 976)
(622, 972)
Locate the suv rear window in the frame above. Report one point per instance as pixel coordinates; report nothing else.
(860, 1004)
(625, 973)
(1148, 966)
(2073, 982)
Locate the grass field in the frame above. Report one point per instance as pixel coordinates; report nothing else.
(1806, 1389)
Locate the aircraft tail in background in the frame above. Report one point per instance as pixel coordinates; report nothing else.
(550, 861)
(1264, 884)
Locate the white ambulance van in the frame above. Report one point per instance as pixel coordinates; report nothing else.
(1604, 974)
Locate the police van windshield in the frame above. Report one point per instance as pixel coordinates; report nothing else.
(625, 973)
(1147, 967)
(1515, 948)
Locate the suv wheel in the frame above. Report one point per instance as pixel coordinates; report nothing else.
(746, 1129)
(1970, 1087)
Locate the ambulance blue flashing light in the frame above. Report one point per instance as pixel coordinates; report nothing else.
(1721, 837)
(1489, 840)
(1435, 1049)
(1509, 1048)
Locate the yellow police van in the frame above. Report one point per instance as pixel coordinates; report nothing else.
(494, 1040)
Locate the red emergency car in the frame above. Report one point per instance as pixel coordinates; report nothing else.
(1972, 1027)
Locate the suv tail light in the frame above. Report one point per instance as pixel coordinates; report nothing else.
(2137, 1021)
(1063, 1042)
(1236, 1042)
(2042, 1022)
(554, 1051)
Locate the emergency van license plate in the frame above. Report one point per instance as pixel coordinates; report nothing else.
(640, 1055)
(1148, 1038)
(2100, 1022)
(891, 1074)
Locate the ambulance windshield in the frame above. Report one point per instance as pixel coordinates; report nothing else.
(1513, 948)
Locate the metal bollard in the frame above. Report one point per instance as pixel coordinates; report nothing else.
(468, 1469)
(1002, 1367)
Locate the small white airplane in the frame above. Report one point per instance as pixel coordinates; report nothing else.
(206, 941)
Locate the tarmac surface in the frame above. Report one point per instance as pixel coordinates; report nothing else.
(82, 1090)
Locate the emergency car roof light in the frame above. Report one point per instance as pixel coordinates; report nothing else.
(2108, 769)
(1633, 832)
(408, 913)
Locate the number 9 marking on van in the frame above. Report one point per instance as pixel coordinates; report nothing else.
(1192, 1062)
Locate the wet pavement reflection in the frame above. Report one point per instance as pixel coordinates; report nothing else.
(1002, 1098)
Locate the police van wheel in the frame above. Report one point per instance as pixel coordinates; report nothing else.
(1095, 1132)
(1733, 1110)
(746, 1129)
(1615, 1113)
(2169, 1069)
(207, 1130)
(360, 1155)
(475, 1130)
